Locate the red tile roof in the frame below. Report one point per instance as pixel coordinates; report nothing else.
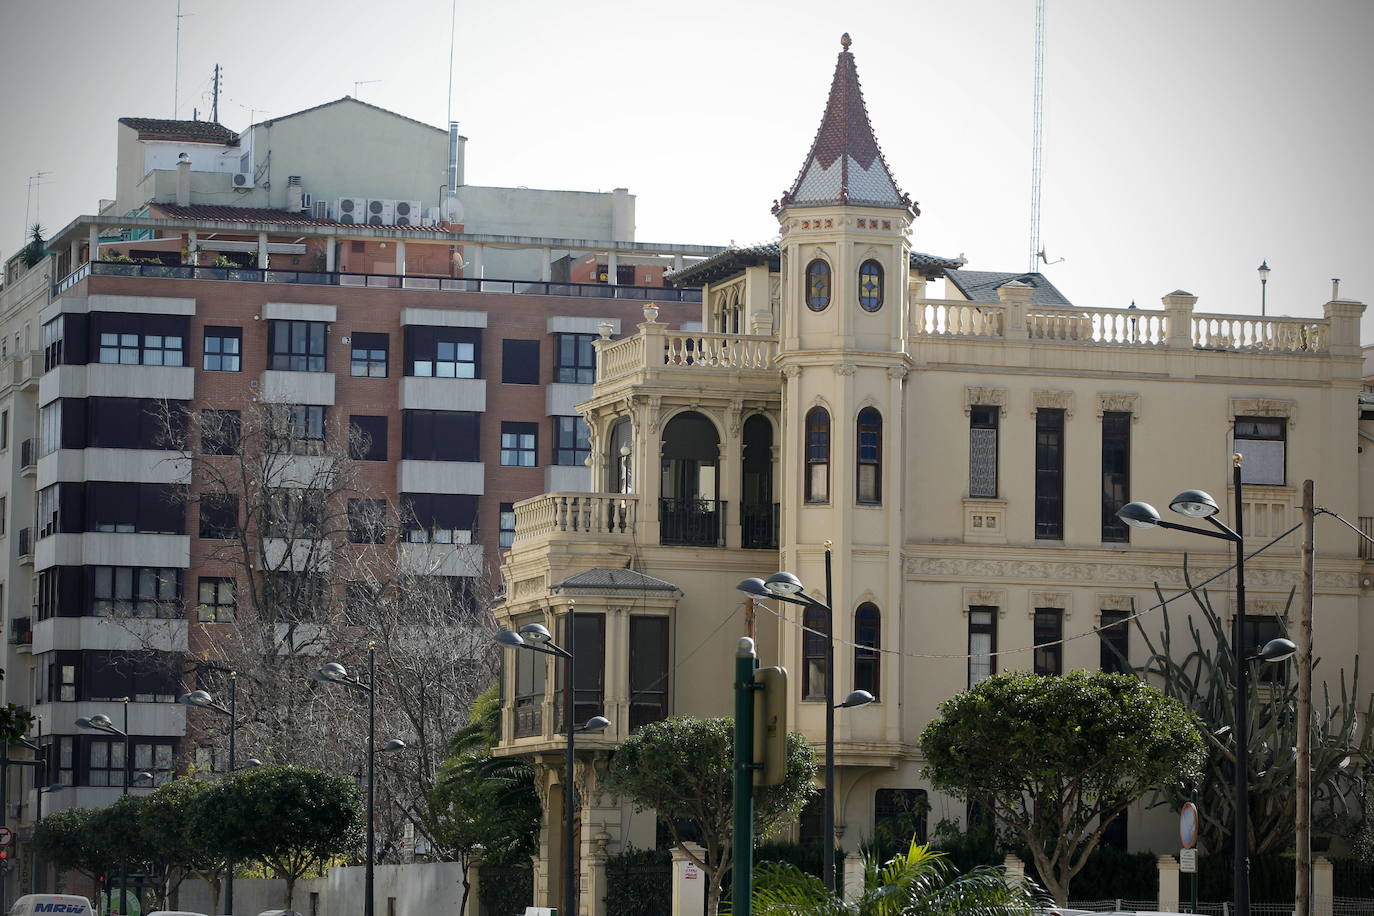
(845, 164)
(167, 129)
(237, 214)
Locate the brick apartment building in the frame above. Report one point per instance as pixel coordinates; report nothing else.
(465, 383)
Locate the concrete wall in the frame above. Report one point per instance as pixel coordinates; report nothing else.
(418, 889)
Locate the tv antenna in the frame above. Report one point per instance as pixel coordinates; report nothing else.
(36, 181)
(1037, 134)
(357, 83)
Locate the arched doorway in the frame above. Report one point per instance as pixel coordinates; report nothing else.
(758, 512)
(689, 510)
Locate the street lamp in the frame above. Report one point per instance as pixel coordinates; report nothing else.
(201, 699)
(784, 586)
(335, 673)
(1198, 504)
(101, 723)
(536, 638)
(34, 867)
(1264, 283)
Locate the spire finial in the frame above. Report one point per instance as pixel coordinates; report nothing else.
(844, 41)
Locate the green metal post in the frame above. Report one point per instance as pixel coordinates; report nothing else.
(1193, 876)
(745, 663)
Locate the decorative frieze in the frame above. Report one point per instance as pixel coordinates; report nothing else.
(1117, 402)
(1050, 599)
(985, 597)
(1265, 407)
(1020, 570)
(1052, 400)
(984, 397)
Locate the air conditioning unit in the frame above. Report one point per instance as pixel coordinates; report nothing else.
(351, 210)
(381, 212)
(319, 209)
(243, 179)
(408, 213)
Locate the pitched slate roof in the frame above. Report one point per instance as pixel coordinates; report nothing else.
(845, 164)
(168, 129)
(603, 579)
(733, 260)
(982, 286)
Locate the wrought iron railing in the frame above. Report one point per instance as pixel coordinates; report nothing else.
(691, 522)
(759, 526)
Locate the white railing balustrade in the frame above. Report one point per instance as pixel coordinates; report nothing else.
(957, 318)
(1102, 326)
(719, 351)
(1260, 335)
(591, 514)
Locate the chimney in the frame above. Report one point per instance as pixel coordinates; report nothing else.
(295, 199)
(622, 215)
(183, 180)
(456, 154)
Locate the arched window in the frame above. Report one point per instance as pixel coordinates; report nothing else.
(868, 484)
(817, 285)
(871, 286)
(868, 630)
(817, 455)
(813, 653)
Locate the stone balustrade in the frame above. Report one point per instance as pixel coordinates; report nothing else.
(590, 514)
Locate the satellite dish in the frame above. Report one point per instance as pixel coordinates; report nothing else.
(451, 210)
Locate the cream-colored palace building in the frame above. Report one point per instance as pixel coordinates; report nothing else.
(965, 455)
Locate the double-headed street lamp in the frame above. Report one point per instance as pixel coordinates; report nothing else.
(201, 699)
(784, 586)
(536, 638)
(1197, 504)
(102, 723)
(335, 673)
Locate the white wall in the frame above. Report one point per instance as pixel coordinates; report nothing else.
(420, 889)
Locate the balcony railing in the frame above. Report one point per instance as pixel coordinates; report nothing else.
(656, 348)
(377, 281)
(691, 522)
(26, 540)
(577, 513)
(28, 454)
(759, 526)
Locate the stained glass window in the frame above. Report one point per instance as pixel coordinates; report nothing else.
(871, 286)
(817, 285)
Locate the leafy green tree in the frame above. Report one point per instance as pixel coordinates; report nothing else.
(164, 830)
(69, 841)
(482, 806)
(1060, 757)
(290, 818)
(918, 882)
(682, 768)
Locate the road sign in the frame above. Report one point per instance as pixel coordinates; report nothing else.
(1187, 825)
(1187, 861)
(6, 836)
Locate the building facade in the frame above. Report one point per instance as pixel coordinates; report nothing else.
(961, 455)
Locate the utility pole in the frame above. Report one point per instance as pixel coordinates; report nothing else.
(214, 97)
(1303, 882)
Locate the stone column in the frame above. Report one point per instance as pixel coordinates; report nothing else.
(192, 249)
(1168, 884)
(612, 263)
(545, 264)
(474, 265)
(853, 876)
(1178, 310)
(1016, 298)
(474, 904)
(93, 243)
(1343, 317)
(689, 882)
(330, 258)
(731, 475)
(1013, 870)
(1323, 887)
(262, 250)
(401, 257)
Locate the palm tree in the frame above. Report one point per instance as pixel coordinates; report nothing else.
(914, 883)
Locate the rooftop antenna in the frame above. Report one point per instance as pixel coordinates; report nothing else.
(1037, 119)
(35, 181)
(357, 83)
(452, 33)
(176, 75)
(214, 95)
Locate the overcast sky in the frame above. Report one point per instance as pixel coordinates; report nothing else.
(1185, 140)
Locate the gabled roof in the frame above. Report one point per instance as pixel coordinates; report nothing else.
(733, 260)
(603, 579)
(845, 165)
(236, 214)
(982, 286)
(348, 98)
(168, 129)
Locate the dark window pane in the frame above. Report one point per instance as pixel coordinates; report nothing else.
(369, 354)
(982, 451)
(868, 642)
(440, 435)
(223, 349)
(296, 346)
(518, 444)
(813, 654)
(576, 359)
(1115, 642)
(219, 516)
(648, 670)
(520, 362)
(220, 431)
(1116, 473)
(572, 443)
(817, 455)
(1049, 635)
(982, 643)
(1049, 474)
(367, 438)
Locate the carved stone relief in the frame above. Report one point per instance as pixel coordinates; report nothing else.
(1052, 400)
(1050, 599)
(897, 372)
(985, 397)
(1265, 407)
(1119, 403)
(1114, 602)
(1059, 571)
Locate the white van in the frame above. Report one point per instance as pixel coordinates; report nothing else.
(66, 904)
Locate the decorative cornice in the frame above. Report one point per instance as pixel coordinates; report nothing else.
(1087, 573)
(975, 396)
(1265, 407)
(1052, 400)
(1060, 600)
(1118, 402)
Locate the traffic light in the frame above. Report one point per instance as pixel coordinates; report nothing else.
(770, 726)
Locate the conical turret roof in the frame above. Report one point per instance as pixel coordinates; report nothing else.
(845, 165)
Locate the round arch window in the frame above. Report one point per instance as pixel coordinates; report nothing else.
(817, 285)
(871, 286)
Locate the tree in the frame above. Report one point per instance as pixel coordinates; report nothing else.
(290, 818)
(918, 882)
(483, 806)
(68, 841)
(1060, 757)
(1201, 675)
(682, 768)
(36, 248)
(164, 832)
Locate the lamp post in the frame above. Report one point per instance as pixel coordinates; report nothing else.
(1264, 284)
(202, 699)
(101, 723)
(34, 867)
(536, 638)
(335, 673)
(1198, 504)
(784, 586)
